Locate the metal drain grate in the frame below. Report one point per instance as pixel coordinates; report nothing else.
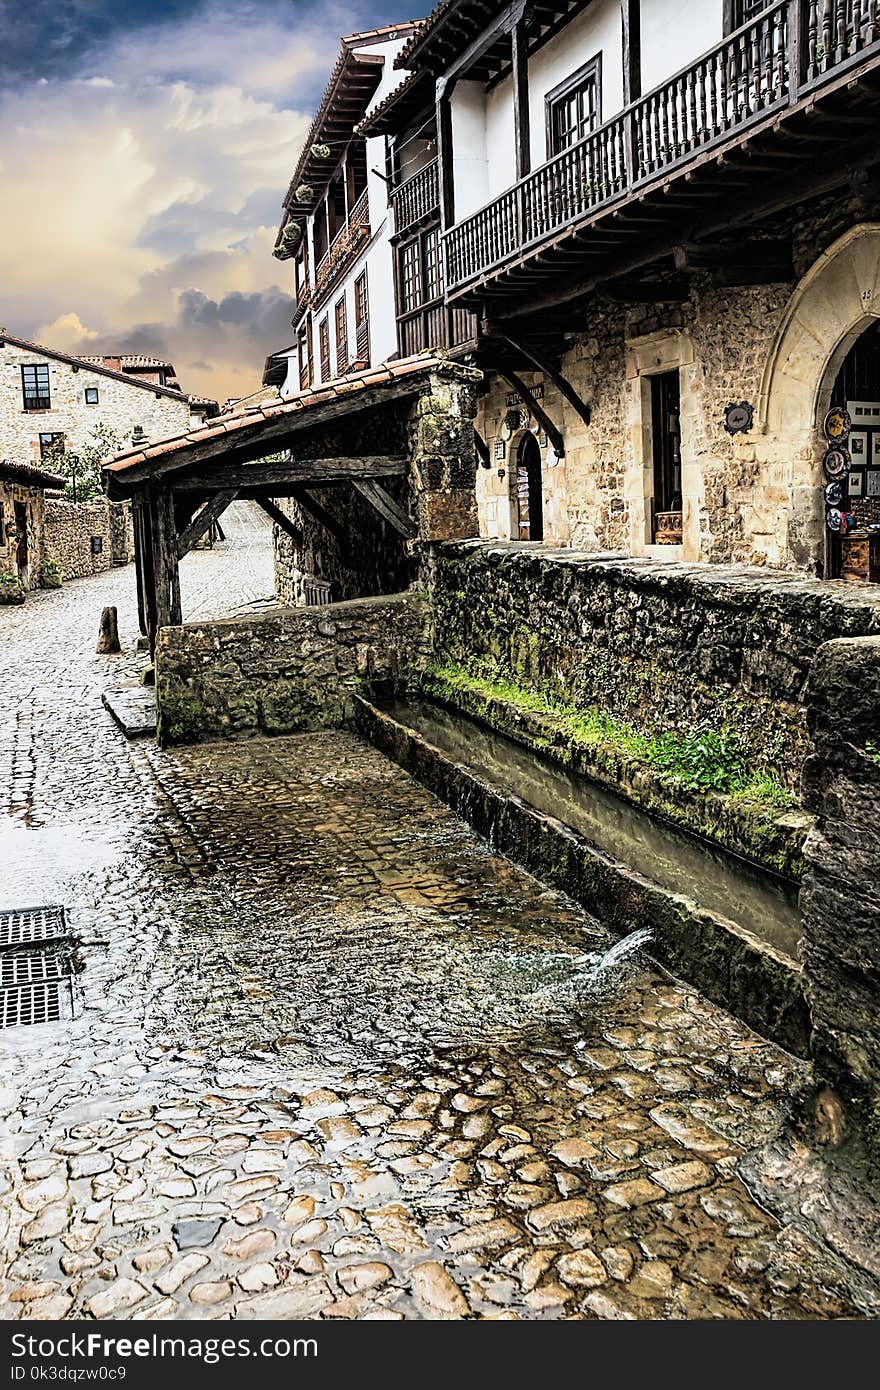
(32, 967)
(40, 1003)
(22, 926)
(36, 967)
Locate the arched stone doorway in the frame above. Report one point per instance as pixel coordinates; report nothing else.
(833, 305)
(528, 490)
(855, 554)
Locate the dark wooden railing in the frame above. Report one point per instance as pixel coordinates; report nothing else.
(787, 50)
(344, 249)
(417, 198)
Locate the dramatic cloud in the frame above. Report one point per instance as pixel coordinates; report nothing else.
(145, 155)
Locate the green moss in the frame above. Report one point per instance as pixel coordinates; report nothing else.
(184, 721)
(701, 759)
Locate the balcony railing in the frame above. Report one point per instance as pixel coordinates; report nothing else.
(417, 198)
(344, 249)
(770, 62)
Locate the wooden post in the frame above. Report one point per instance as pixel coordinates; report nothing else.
(444, 153)
(137, 524)
(164, 550)
(521, 120)
(630, 11)
(797, 28)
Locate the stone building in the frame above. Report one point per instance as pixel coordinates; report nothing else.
(22, 521)
(50, 400)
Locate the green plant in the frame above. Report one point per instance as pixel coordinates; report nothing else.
(873, 750)
(82, 467)
(705, 759)
(51, 574)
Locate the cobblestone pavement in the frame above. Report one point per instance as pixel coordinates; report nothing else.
(332, 1058)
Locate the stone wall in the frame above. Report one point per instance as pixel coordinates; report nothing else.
(658, 646)
(752, 498)
(68, 531)
(285, 670)
(840, 899)
(12, 584)
(122, 405)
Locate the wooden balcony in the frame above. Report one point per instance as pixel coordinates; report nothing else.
(344, 250)
(417, 199)
(782, 62)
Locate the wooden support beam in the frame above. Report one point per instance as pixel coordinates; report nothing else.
(389, 510)
(482, 449)
(738, 263)
(445, 180)
(631, 20)
(521, 126)
(675, 291)
(245, 477)
(281, 519)
(203, 521)
(564, 387)
(163, 536)
(137, 525)
(536, 408)
(320, 514)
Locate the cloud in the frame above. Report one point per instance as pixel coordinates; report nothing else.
(66, 332)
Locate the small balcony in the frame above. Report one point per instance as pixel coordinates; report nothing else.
(783, 58)
(417, 199)
(344, 250)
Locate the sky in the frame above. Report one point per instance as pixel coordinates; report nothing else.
(144, 152)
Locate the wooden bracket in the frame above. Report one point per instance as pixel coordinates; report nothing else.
(389, 510)
(482, 449)
(540, 414)
(281, 519)
(202, 522)
(320, 514)
(564, 387)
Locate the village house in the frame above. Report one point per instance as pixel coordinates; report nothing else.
(22, 520)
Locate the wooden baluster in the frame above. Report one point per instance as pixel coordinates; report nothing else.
(780, 40)
(840, 45)
(827, 32)
(856, 32)
(871, 21)
(812, 39)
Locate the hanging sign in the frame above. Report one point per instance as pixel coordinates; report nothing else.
(838, 424)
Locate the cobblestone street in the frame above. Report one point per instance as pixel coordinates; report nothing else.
(332, 1057)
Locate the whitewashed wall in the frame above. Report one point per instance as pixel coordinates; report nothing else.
(470, 153)
(674, 33)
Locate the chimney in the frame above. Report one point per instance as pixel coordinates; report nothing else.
(113, 363)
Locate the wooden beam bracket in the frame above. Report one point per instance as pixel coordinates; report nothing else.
(203, 521)
(552, 432)
(281, 519)
(563, 386)
(389, 510)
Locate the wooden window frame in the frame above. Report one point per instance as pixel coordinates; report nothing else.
(734, 17)
(324, 348)
(362, 323)
(340, 321)
(49, 443)
(304, 352)
(35, 401)
(588, 72)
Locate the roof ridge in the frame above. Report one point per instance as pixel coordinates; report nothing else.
(90, 366)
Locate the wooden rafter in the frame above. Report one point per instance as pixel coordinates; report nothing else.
(536, 408)
(281, 519)
(203, 521)
(320, 514)
(389, 510)
(564, 387)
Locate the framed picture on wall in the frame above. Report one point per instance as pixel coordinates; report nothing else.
(858, 446)
(856, 486)
(875, 449)
(872, 488)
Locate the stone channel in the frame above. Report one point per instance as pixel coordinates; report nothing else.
(332, 1056)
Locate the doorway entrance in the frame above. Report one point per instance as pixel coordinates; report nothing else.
(666, 445)
(529, 496)
(21, 553)
(853, 551)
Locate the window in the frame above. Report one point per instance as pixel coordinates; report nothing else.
(35, 387)
(91, 395)
(304, 344)
(737, 12)
(666, 444)
(574, 108)
(410, 277)
(51, 445)
(362, 319)
(341, 337)
(324, 347)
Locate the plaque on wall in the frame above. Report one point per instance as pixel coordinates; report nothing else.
(739, 417)
(864, 412)
(872, 483)
(499, 450)
(836, 464)
(514, 398)
(837, 425)
(856, 485)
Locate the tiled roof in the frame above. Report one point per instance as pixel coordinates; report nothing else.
(424, 30)
(131, 361)
(255, 418)
(406, 100)
(91, 367)
(28, 476)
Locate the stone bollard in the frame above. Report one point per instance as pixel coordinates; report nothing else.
(108, 632)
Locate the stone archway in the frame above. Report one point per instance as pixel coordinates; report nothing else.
(837, 299)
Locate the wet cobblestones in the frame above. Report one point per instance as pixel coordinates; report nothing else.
(335, 1059)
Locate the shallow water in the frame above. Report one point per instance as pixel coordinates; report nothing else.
(755, 899)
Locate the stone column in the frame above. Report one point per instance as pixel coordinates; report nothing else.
(442, 457)
(840, 898)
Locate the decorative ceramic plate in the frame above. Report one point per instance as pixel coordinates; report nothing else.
(833, 519)
(837, 425)
(834, 494)
(836, 464)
